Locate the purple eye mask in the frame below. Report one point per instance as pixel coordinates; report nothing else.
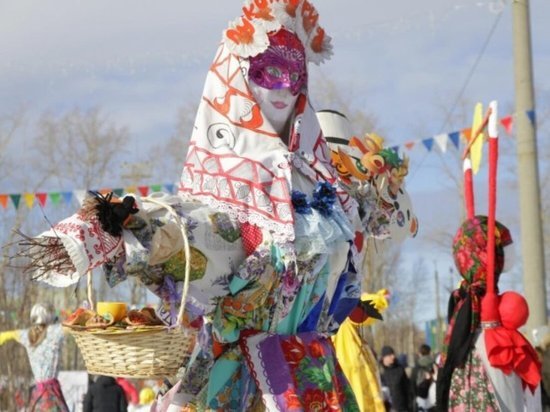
(279, 68)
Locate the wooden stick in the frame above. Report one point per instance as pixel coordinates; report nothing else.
(477, 133)
(491, 218)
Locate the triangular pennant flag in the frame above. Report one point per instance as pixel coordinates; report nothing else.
(428, 143)
(466, 134)
(118, 192)
(67, 197)
(15, 198)
(41, 197)
(55, 197)
(79, 195)
(507, 123)
(156, 188)
(130, 189)
(409, 145)
(143, 190)
(170, 187)
(104, 191)
(455, 138)
(4, 201)
(29, 199)
(441, 141)
(531, 115)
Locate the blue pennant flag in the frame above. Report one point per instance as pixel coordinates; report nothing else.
(170, 187)
(531, 115)
(67, 197)
(428, 143)
(455, 138)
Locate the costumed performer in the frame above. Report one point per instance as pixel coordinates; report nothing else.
(274, 237)
(355, 355)
(258, 155)
(43, 342)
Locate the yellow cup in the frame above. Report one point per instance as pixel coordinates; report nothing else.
(112, 310)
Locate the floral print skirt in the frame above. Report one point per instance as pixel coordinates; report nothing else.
(46, 396)
(471, 388)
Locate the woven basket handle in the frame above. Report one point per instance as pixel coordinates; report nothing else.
(187, 251)
(89, 287)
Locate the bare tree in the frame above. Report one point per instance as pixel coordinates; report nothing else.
(78, 149)
(334, 96)
(9, 125)
(169, 157)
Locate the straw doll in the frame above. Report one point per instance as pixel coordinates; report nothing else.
(43, 342)
(486, 363)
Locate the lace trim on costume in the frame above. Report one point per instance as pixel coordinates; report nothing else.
(252, 369)
(281, 232)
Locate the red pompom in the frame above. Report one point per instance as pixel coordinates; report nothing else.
(513, 310)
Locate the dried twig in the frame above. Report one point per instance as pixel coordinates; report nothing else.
(42, 255)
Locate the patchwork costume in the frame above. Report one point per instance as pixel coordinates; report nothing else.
(275, 235)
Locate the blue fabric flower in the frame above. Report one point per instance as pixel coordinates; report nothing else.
(300, 203)
(324, 197)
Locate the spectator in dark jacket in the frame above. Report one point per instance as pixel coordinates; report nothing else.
(393, 377)
(422, 378)
(105, 395)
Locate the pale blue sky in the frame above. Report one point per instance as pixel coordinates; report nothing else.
(400, 60)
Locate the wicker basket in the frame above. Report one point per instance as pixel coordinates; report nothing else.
(147, 352)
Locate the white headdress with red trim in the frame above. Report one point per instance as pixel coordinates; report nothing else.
(247, 36)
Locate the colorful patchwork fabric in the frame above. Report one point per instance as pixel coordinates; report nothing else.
(307, 377)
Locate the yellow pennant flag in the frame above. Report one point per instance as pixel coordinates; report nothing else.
(29, 199)
(476, 150)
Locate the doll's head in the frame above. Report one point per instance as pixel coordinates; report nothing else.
(470, 249)
(42, 314)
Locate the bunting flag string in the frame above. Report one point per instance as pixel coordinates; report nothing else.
(57, 198)
(441, 141)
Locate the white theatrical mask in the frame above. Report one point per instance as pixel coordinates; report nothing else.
(277, 105)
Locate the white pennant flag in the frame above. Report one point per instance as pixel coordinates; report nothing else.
(80, 195)
(441, 140)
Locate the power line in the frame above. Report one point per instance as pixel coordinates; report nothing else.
(472, 71)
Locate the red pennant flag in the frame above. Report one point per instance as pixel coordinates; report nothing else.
(507, 122)
(409, 145)
(4, 201)
(41, 197)
(143, 190)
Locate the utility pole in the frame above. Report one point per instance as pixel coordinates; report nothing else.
(532, 243)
